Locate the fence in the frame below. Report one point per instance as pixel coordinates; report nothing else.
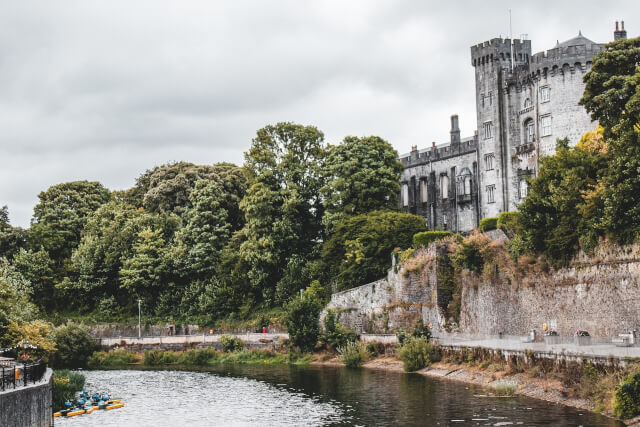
(21, 375)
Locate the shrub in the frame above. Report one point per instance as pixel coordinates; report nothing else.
(111, 359)
(420, 330)
(509, 223)
(353, 354)
(74, 345)
(302, 322)
(65, 386)
(505, 389)
(487, 224)
(416, 353)
(336, 335)
(230, 343)
(425, 238)
(375, 348)
(626, 400)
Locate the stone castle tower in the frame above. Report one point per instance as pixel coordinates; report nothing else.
(524, 103)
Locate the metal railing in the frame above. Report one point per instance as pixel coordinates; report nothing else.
(21, 375)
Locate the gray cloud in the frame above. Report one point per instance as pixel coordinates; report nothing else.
(104, 90)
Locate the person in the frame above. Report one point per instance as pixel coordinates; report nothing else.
(264, 329)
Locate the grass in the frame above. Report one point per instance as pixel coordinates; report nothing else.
(505, 389)
(200, 358)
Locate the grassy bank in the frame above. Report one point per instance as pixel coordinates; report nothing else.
(65, 386)
(205, 357)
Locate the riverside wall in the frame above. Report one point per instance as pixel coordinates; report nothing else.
(599, 294)
(29, 405)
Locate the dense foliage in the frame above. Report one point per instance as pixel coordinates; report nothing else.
(302, 323)
(74, 346)
(488, 224)
(425, 238)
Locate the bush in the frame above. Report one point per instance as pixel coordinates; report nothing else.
(626, 400)
(420, 330)
(416, 353)
(353, 354)
(425, 238)
(505, 389)
(231, 343)
(509, 223)
(65, 386)
(336, 335)
(488, 224)
(302, 323)
(111, 359)
(74, 345)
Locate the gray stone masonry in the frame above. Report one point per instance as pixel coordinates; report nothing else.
(28, 406)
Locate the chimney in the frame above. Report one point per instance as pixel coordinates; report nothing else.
(433, 144)
(414, 148)
(619, 33)
(455, 129)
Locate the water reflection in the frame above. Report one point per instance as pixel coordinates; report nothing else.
(265, 396)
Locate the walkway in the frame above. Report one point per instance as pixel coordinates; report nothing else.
(249, 338)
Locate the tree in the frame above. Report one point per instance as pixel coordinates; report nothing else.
(612, 96)
(554, 216)
(12, 239)
(14, 303)
(74, 346)
(37, 333)
(282, 208)
(38, 269)
(142, 274)
(359, 250)
(206, 231)
(362, 175)
(60, 216)
(302, 323)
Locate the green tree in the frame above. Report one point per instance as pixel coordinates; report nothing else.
(38, 268)
(359, 250)
(302, 323)
(612, 96)
(60, 216)
(74, 346)
(362, 175)
(12, 239)
(14, 302)
(206, 231)
(282, 208)
(554, 216)
(142, 274)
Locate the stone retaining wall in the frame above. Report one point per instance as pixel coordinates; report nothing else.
(29, 405)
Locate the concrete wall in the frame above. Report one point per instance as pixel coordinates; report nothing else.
(114, 331)
(28, 406)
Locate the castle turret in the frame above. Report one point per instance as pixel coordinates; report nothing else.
(619, 33)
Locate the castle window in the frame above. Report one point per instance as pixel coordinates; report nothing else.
(488, 130)
(405, 194)
(444, 186)
(490, 98)
(488, 161)
(527, 103)
(545, 94)
(444, 221)
(545, 125)
(524, 187)
(467, 185)
(529, 131)
(482, 97)
(424, 190)
(491, 193)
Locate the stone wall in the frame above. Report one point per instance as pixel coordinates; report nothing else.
(29, 405)
(393, 303)
(114, 331)
(598, 294)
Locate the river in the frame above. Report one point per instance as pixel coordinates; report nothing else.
(309, 396)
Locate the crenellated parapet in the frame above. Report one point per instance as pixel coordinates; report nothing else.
(499, 50)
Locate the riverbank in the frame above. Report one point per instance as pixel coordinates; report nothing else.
(493, 381)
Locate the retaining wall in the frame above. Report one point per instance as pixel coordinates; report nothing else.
(29, 405)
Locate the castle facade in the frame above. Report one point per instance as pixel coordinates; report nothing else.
(524, 103)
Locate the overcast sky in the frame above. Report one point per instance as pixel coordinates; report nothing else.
(104, 90)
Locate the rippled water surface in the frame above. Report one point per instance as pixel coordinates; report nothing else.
(305, 396)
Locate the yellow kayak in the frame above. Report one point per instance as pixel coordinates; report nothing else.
(115, 406)
(74, 413)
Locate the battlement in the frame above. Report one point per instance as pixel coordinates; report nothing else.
(439, 152)
(499, 49)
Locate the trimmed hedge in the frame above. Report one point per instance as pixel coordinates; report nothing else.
(509, 222)
(425, 238)
(488, 224)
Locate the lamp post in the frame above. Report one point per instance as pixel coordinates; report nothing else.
(139, 323)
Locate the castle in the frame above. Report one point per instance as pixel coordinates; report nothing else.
(524, 103)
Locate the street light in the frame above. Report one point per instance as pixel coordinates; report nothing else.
(139, 324)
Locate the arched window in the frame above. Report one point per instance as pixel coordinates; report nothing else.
(524, 188)
(529, 131)
(527, 103)
(463, 181)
